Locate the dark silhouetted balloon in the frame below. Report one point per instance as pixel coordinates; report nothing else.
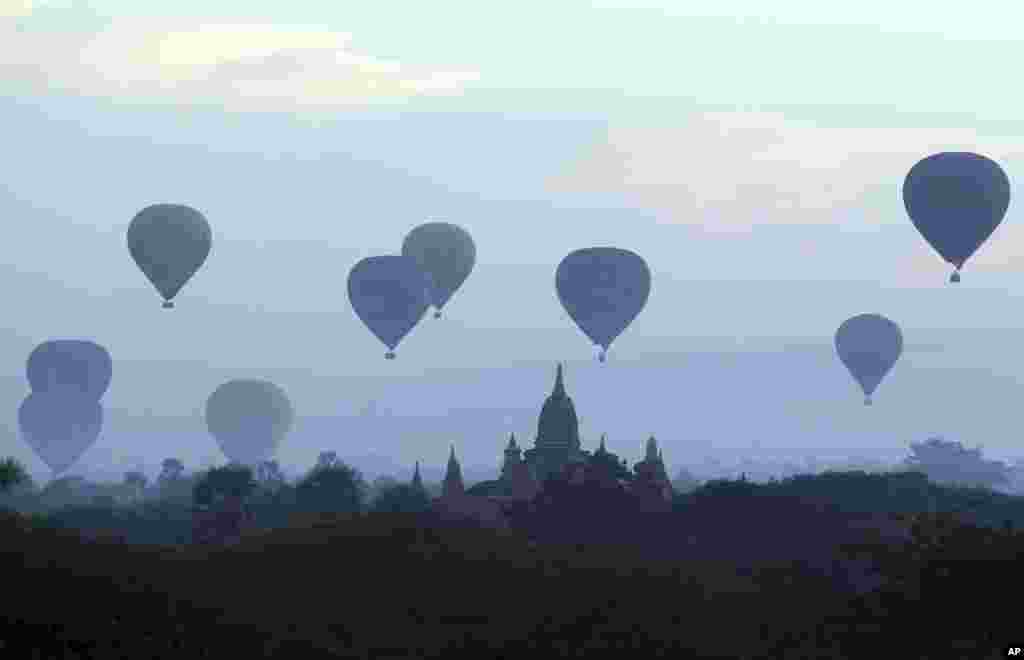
(70, 363)
(249, 418)
(603, 289)
(869, 345)
(956, 200)
(60, 425)
(390, 295)
(169, 242)
(445, 252)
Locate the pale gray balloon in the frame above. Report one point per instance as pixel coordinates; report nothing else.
(249, 419)
(60, 425)
(446, 253)
(169, 243)
(869, 345)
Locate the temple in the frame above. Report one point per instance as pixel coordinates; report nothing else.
(556, 454)
(557, 445)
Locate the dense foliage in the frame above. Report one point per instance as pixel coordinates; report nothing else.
(323, 570)
(12, 473)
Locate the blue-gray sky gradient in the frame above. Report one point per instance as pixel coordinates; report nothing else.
(754, 162)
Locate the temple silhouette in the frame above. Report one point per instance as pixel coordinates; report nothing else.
(556, 455)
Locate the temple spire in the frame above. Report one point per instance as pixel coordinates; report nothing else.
(662, 472)
(417, 480)
(652, 449)
(559, 390)
(602, 448)
(513, 457)
(558, 432)
(453, 477)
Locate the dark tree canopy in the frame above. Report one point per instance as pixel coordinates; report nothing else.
(401, 498)
(171, 468)
(12, 474)
(269, 475)
(135, 479)
(221, 482)
(685, 482)
(331, 488)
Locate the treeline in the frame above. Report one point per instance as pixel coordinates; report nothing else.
(409, 586)
(165, 512)
(858, 492)
(329, 566)
(165, 515)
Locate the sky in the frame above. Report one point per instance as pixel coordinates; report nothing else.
(754, 160)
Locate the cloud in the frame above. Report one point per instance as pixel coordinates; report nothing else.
(16, 8)
(729, 172)
(241, 67)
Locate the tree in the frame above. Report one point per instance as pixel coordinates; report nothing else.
(685, 482)
(401, 498)
(170, 470)
(273, 507)
(64, 491)
(269, 475)
(384, 481)
(219, 484)
(327, 459)
(12, 474)
(331, 487)
(220, 498)
(172, 483)
(104, 501)
(380, 484)
(135, 482)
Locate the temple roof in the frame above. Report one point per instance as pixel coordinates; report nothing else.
(558, 426)
(453, 476)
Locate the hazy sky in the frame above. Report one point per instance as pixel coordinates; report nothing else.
(755, 161)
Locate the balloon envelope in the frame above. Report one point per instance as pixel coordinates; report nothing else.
(169, 242)
(869, 345)
(956, 200)
(60, 425)
(249, 418)
(70, 363)
(444, 251)
(603, 289)
(390, 295)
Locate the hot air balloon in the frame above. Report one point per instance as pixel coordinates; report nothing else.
(603, 289)
(389, 294)
(445, 252)
(76, 363)
(956, 200)
(60, 425)
(169, 242)
(869, 345)
(249, 418)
